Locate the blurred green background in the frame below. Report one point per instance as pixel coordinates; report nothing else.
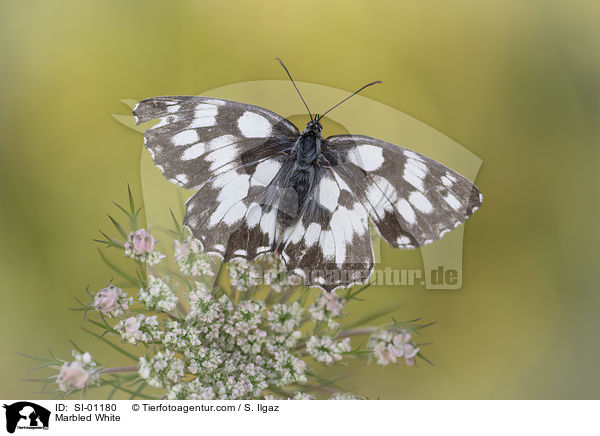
(516, 82)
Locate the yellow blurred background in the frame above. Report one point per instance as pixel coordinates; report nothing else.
(515, 82)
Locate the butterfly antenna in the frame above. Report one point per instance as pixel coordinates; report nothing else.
(297, 90)
(351, 95)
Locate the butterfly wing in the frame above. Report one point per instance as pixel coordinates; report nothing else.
(230, 152)
(331, 245)
(412, 199)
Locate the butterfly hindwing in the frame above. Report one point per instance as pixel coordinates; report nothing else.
(412, 199)
(231, 214)
(331, 245)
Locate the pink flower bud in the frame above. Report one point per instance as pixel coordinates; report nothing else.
(142, 242)
(107, 299)
(72, 375)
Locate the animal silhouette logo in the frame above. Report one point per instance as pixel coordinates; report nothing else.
(26, 415)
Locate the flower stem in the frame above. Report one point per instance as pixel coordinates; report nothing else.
(357, 332)
(119, 369)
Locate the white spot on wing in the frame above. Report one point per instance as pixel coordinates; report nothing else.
(235, 214)
(265, 171)
(236, 188)
(413, 179)
(268, 223)
(228, 197)
(446, 181)
(419, 201)
(451, 177)
(253, 125)
(415, 172)
(403, 240)
(203, 121)
(194, 152)
(327, 244)
(221, 141)
(253, 215)
(338, 226)
(377, 199)
(328, 193)
(182, 178)
(222, 155)
(341, 182)
(186, 137)
(413, 155)
(312, 234)
(224, 178)
(452, 201)
(358, 217)
(368, 157)
(406, 211)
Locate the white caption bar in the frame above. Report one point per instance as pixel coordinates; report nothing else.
(147, 417)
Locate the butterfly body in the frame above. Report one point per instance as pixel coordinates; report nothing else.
(304, 175)
(262, 186)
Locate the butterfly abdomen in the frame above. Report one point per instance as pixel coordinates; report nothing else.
(306, 152)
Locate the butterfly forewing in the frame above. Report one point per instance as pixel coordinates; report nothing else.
(412, 199)
(230, 152)
(199, 138)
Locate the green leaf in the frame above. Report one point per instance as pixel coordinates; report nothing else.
(118, 226)
(109, 241)
(425, 358)
(179, 230)
(28, 356)
(116, 347)
(352, 295)
(137, 391)
(76, 347)
(122, 209)
(131, 203)
(102, 326)
(370, 317)
(128, 390)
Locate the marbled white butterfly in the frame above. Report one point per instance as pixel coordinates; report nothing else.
(263, 186)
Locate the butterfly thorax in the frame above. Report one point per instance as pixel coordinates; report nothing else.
(307, 148)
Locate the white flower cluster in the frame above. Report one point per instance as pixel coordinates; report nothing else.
(232, 351)
(327, 350)
(139, 329)
(267, 270)
(242, 275)
(285, 318)
(389, 344)
(112, 301)
(327, 307)
(79, 373)
(157, 295)
(140, 246)
(162, 369)
(189, 257)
